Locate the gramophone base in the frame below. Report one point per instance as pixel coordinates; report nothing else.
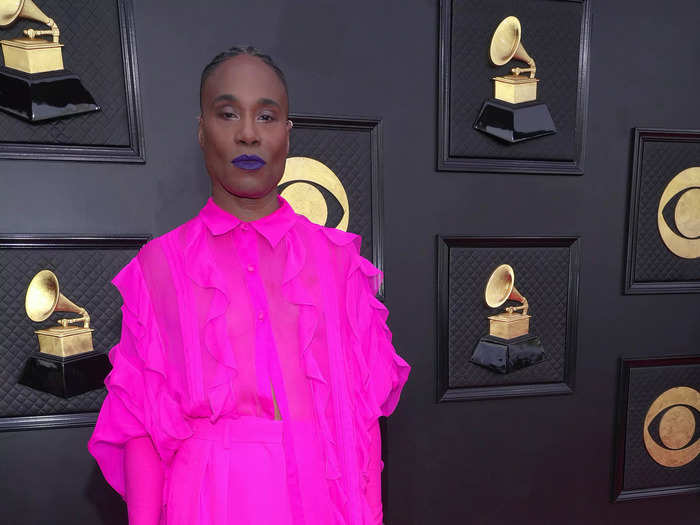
(66, 376)
(43, 96)
(515, 122)
(505, 356)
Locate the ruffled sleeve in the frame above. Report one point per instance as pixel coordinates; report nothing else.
(382, 371)
(138, 401)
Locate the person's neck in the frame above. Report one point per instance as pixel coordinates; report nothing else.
(246, 209)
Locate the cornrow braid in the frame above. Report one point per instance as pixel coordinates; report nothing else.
(234, 52)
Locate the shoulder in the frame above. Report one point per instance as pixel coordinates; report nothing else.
(343, 249)
(172, 242)
(337, 241)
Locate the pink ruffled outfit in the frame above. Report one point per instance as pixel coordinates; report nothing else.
(217, 315)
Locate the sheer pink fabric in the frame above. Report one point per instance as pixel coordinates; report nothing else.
(219, 313)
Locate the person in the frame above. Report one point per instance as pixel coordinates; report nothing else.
(255, 359)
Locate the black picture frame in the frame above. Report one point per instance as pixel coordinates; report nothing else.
(620, 491)
(63, 242)
(372, 127)
(134, 152)
(447, 393)
(553, 165)
(642, 138)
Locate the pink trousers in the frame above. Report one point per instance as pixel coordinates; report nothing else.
(234, 472)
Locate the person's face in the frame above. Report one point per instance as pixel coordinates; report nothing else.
(243, 129)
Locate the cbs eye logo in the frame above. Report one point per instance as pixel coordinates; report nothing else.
(678, 216)
(313, 190)
(672, 427)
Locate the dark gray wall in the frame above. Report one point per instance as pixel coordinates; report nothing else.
(528, 460)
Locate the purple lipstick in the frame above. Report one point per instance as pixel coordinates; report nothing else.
(248, 162)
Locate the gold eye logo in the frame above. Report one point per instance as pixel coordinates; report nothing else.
(313, 190)
(671, 430)
(678, 216)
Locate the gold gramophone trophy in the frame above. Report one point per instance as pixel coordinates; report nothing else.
(514, 114)
(509, 345)
(33, 83)
(66, 364)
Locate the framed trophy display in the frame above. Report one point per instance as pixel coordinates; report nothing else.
(657, 445)
(63, 317)
(663, 238)
(513, 86)
(69, 87)
(507, 311)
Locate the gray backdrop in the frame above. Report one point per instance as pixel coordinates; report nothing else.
(526, 460)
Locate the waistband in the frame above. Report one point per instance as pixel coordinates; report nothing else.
(245, 429)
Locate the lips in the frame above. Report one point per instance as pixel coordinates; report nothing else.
(248, 162)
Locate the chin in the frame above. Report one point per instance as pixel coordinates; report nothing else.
(249, 193)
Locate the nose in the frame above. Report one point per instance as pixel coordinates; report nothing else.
(247, 133)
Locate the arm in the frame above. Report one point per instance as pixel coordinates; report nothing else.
(144, 481)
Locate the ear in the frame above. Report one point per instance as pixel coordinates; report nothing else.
(290, 125)
(200, 132)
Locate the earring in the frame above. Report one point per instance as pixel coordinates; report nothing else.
(290, 124)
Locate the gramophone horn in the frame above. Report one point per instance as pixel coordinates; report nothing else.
(10, 10)
(501, 287)
(506, 44)
(44, 297)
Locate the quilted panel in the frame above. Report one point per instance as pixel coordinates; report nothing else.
(348, 153)
(90, 32)
(84, 276)
(542, 276)
(646, 384)
(550, 34)
(661, 161)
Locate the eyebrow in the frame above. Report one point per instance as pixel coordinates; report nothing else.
(268, 102)
(230, 98)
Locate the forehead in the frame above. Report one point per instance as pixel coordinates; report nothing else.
(245, 77)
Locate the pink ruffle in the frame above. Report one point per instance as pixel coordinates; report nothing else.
(297, 294)
(138, 401)
(381, 372)
(199, 268)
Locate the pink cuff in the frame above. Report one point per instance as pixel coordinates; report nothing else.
(144, 481)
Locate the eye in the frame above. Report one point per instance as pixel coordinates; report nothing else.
(678, 216)
(682, 213)
(313, 190)
(321, 203)
(265, 117)
(229, 115)
(672, 427)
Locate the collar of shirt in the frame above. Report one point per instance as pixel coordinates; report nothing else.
(273, 227)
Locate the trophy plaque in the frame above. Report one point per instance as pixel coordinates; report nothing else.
(33, 82)
(509, 345)
(513, 115)
(66, 364)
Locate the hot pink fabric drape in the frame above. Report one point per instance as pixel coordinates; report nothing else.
(217, 314)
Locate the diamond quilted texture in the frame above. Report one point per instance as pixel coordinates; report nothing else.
(646, 384)
(661, 161)
(541, 275)
(84, 276)
(348, 153)
(551, 34)
(90, 32)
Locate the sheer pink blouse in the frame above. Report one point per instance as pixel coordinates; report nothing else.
(218, 314)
